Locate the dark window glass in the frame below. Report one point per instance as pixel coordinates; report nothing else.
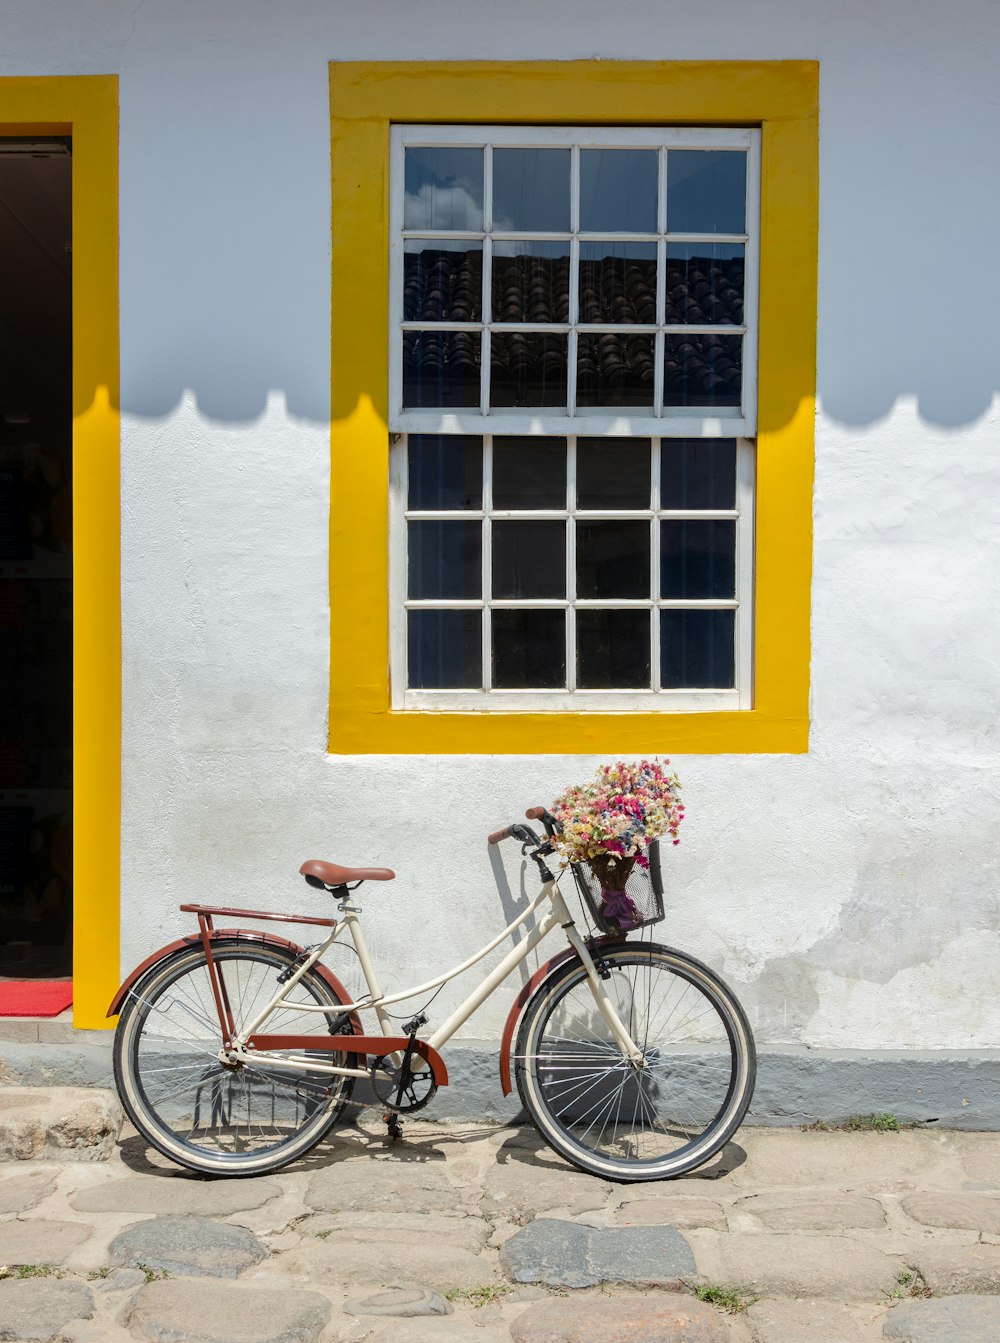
(697, 559)
(444, 472)
(698, 650)
(529, 473)
(698, 473)
(443, 188)
(702, 370)
(706, 190)
(531, 190)
(444, 559)
(442, 281)
(612, 559)
(527, 369)
(612, 472)
(440, 368)
(529, 559)
(444, 650)
(618, 282)
(704, 283)
(614, 370)
(618, 190)
(529, 650)
(612, 650)
(530, 281)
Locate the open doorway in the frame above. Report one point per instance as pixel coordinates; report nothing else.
(36, 569)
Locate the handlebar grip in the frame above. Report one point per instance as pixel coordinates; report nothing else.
(535, 813)
(498, 835)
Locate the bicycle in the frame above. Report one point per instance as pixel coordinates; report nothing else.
(236, 1051)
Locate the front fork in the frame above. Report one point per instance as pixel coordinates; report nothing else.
(605, 1006)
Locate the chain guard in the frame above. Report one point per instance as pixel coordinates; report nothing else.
(384, 1078)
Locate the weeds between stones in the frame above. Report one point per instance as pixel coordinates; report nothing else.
(908, 1285)
(29, 1271)
(481, 1296)
(152, 1274)
(873, 1123)
(733, 1300)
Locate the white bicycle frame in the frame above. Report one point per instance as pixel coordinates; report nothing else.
(557, 917)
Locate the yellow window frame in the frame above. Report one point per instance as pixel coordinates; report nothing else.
(366, 98)
(86, 107)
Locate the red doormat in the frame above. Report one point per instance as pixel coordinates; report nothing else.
(34, 997)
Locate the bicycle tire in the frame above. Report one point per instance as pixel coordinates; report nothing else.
(665, 1119)
(180, 1096)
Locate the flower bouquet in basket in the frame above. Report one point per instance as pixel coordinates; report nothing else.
(608, 826)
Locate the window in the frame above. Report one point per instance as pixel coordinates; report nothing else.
(573, 375)
(373, 105)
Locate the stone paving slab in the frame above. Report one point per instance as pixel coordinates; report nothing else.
(372, 1186)
(844, 1161)
(400, 1302)
(970, 1212)
(467, 1233)
(187, 1246)
(20, 1192)
(773, 1321)
(214, 1312)
(770, 1264)
(170, 1193)
(342, 1261)
(623, 1319)
(58, 1123)
(522, 1190)
(956, 1319)
(38, 1308)
(950, 1269)
(567, 1254)
(802, 1210)
(679, 1210)
(37, 1241)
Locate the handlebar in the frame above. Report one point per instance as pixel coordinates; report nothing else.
(499, 836)
(524, 832)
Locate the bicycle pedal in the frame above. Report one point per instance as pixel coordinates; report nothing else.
(391, 1121)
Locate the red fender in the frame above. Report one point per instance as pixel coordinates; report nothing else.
(514, 1014)
(246, 935)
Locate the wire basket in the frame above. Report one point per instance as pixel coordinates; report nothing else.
(639, 904)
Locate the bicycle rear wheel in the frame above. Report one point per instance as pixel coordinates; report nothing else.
(197, 1111)
(610, 1117)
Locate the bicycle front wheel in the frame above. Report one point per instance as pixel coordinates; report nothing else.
(243, 1120)
(613, 1118)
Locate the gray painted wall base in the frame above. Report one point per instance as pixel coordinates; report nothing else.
(949, 1089)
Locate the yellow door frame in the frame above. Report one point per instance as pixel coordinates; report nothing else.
(86, 107)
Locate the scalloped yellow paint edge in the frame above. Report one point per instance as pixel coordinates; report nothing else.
(365, 99)
(86, 107)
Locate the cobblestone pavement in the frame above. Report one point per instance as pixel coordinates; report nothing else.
(477, 1234)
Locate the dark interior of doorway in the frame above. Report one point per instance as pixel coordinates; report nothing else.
(36, 574)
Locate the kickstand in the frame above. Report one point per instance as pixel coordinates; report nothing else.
(391, 1121)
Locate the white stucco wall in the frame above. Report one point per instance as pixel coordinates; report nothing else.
(850, 894)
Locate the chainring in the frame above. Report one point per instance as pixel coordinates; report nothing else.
(384, 1078)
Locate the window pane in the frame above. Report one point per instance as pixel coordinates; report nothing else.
(445, 472)
(618, 190)
(529, 473)
(529, 650)
(444, 650)
(529, 559)
(440, 368)
(531, 190)
(527, 369)
(614, 370)
(612, 473)
(698, 649)
(443, 188)
(705, 282)
(530, 282)
(442, 281)
(612, 650)
(706, 190)
(444, 559)
(612, 559)
(697, 559)
(618, 282)
(702, 370)
(698, 473)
